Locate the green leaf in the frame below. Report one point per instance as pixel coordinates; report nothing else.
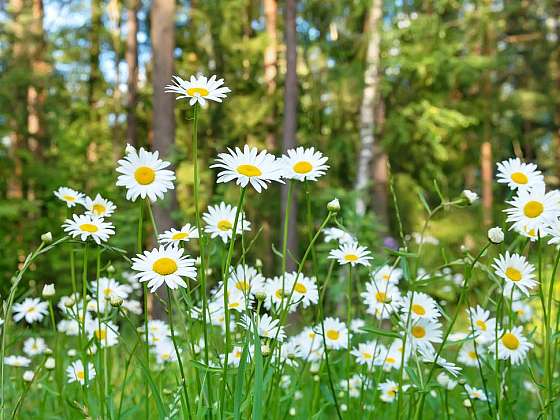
(384, 333)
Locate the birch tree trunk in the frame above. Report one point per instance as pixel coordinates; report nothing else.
(163, 116)
(367, 109)
(290, 120)
(132, 78)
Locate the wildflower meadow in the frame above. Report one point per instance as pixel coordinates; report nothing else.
(127, 306)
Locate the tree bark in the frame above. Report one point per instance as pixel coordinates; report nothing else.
(94, 82)
(367, 109)
(132, 79)
(271, 69)
(380, 175)
(290, 120)
(163, 116)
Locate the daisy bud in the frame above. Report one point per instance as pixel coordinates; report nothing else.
(48, 351)
(265, 350)
(343, 407)
(50, 363)
(298, 395)
(316, 378)
(470, 196)
(46, 237)
(496, 235)
(443, 379)
(116, 301)
(314, 368)
(292, 411)
(333, 206)
(260, 295)
(70, 302)
(462, 382)
(72, 353)
(467, 403)
(198, 262)
(258, 263)
(111, 269)
(28, 375)
(48, 291)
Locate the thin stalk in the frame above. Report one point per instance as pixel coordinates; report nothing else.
(139, 247)
(349, 343)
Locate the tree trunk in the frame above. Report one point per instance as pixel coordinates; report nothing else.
(163, 116)
(290, 120)
(367, 109)
(271, 69)
(94, 82)
(115, 15)
(132, 80)
(380, 175)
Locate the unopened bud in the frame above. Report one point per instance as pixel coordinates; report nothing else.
(470, 196)
(116, 301)
(333, 206)
(265, 350)
(111, 269)
(50, 363)
(496, 235)
(28, 375)
(48, 291)
(46, 237)
(260, 295)
(258, 263)
(70, 302)
(467, 403)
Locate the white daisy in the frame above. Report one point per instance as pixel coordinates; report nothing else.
(164, 265)
(388, 390)
(336, 333)
(174, 236)
(392, 357)
(516, 271)
(244, 280)
(199, 89)
(69, 196)
(99, 206)
(267, 327)
(468, 356)
(106, 288)
(534, 209)
(220, 220)
(165, 352)
(518, 175)
(512, 345)
(554, 231)
(248, 166)
(389, 274)
(158, 331)
(76, 372)
(381, 298)
(482, 324)
(366, 353)
(338, 235)
(424, 332)
(523, 311)
(428, 355)
(304, 164)
(421, 306)
(32, 309)
(34, 346)
(475, 393)
(351, 254)
(17, 361)
(86, 226)
(105, 333)
(144, 175)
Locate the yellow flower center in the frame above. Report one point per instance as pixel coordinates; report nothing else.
(533, 209)
(390, 360)
(107, 291)
(510, 341)
(89, 227)
(381, 297)
(98, 209)
(234, 305)
(391, 392)
(81, 375)
(165, 356)
(481, 324)
(144, 175)
(31, 309)
(70, 198)
(351, 257)
(472, 355)
(386, 277)
(519, 178)
(333, 334)
(513, 274)
(243, 285)
(197, 91)
(418, 331)
(249, 170)
(101, 334)
(225, 225)
(418, 309)
(165, 266)
(300, 288)
(367, 355)
(302, 167)
(179, 235)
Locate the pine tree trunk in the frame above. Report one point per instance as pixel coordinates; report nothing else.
(271, 69)
(94, 82)
(290, 120)
(163, 116)
(132, 80)
(367, 109)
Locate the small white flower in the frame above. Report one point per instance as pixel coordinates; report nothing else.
(77, 373)
(470, 196)
(31, 309)
(516, 271)
(174, 236)
(28, 375)
(351, 254)
(199, 89)
(34, 346)
(99, 206)
(304, 165)
(17, 361)
(333, 206)
(48, 291)
(69, 196)
(47, 237)
(496, 235)
(336, 333)
(518, 175)
(50, 363)
(220, 219)
(86, 226)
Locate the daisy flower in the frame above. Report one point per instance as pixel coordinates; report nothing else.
(304, 164)
(338, 235)
(389, 274)
(516, 271)
(421, 306)
(554, 231)
(234, 358)
(248, 166)
(244, 280)
(267, 327)
(76, 372)
(164, 265)
(106, 288)
(424, 332)
(144, 175)
(174, 236)
(366, 353)
(518, 175)
(512, 345)
(34, 346)
(199, 89)
(388, 390)
(86, 226)
(391, 358)
(428, 355)
(468, 355)
(482, 324)
(381, 298)
(32, 309)
(475, 393)
(523, 311)
(220, 220)
(309, 345)
(533, 209)
(351, 254)
(165, 352)
(336, 333)
(17, 361)
(105, 333)
(157, 331)
(69, 196)
(99, 206)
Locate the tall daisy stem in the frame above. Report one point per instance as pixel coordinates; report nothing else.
(139, 247)
(348, 322)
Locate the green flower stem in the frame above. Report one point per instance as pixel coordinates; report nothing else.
(349, 343)
(84, 309)
(285, 238)
(139, 249)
